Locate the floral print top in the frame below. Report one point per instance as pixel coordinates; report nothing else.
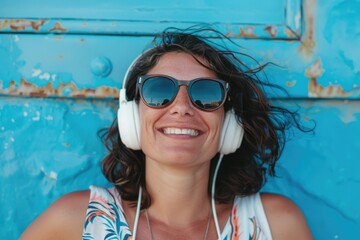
(105, 219)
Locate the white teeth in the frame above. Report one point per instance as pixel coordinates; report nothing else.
(191, 132)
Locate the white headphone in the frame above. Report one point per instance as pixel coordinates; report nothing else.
(129, 124)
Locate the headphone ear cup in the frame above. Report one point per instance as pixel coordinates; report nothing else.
(129, 124)
(232, 134)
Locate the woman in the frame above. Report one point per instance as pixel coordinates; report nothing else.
(178, 167)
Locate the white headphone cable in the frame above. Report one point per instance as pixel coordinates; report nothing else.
(216, 221)
(136, 221)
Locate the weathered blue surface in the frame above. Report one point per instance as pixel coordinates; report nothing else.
(144, 17)
(320, 172)
(79, 51)
(48, 147)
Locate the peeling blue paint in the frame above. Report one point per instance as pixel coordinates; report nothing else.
(322, 169)
(44, 154)
(49, 146)
(142, 18)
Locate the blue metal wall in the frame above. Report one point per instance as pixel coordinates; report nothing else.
(61, 65)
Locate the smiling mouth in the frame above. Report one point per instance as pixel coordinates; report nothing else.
(181, 131)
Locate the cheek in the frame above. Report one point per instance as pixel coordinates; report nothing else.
(142, 119)
(215, 123)
(147, 118)
(141, 113)
(219, 119)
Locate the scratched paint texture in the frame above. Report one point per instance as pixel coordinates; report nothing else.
(61, 66)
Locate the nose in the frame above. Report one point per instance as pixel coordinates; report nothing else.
(182, 104)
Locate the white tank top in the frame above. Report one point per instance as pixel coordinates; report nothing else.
(105, 218)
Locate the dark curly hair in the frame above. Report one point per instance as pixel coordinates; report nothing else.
(242, 172)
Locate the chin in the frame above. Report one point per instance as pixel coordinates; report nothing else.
(183, 158)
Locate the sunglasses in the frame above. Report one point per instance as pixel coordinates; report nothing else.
(158, 91)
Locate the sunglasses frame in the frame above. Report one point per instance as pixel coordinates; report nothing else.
(178, 84)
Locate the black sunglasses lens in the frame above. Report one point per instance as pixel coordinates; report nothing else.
(207, 94)
(158, 91)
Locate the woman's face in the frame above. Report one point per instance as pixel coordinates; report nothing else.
(200, 142)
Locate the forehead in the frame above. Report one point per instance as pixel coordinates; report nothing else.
(182, 66)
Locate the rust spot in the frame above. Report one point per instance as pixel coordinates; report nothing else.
(26, 88)
(3, 24)
(315, 89)
(36, 25)
(20, 24)
(315, 70)
(247, 32)
(12, 85)
(244, 31)
(289, 33)
(272, 30)
(230, 33)
(307, 40)
(291, 83)
(58, 28)
(306, 118)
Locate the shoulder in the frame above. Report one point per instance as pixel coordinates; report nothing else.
(64, 219)
(285, 219)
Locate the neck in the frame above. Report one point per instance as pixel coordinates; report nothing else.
(178, 192)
